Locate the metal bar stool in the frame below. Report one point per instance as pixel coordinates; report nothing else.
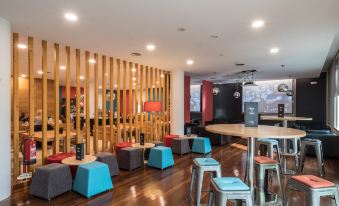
(224, 188)
(314, 187)
(262, 165)
(318, 151)
(290, 152)
(200, 166)
(269, 144)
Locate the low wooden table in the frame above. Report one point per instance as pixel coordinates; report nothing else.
(72, 161)
(143, 147)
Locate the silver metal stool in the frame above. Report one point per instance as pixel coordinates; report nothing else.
(200, 166)
(225, 188)
(314, 188)
(287, 151)
(318, 151)
(269, 144)
(264, 164)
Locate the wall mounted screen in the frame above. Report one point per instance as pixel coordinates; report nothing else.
(266, 93)
(195, 105)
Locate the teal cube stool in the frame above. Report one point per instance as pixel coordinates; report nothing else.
(201, 145)
(92, 179)
(160, 157)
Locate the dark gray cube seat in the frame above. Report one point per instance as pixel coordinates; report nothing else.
(180, 146)
(130, 158)
(51, 180)
(110, 160)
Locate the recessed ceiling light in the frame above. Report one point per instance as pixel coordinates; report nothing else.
(189, 62)
(22, 46)
(158, 82)
(100, 87)
(40, 72)
(82, 77)
(71, 17)
(62, 67)
(274, 50)
(92, 61)
(258, 24)
(134, 70)
(162, 76)
(150, 47)
(106, 74)
(115, 85)
(134, 78)
(23, 75)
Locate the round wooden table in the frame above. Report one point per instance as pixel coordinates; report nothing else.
(251, 133)
(143, 147)
(73, 162)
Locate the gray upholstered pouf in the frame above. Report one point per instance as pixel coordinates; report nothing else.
(130, 158)
(110, 160)
(51, 180)
(180, 146)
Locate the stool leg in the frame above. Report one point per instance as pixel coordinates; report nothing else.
(285, 200)
(280, 182)
(336, 197)
(261, 185)
(323, 160)
(302, 157)
(210, 198)
(319, 159)
(312, 199)
(221, 200)
(249, 200)
(279, 156)
(200, 177)
(218, 172)
(270, 151)
(192, 182)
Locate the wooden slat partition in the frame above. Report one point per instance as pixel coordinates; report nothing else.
(141, 77)
(68, 99)
(146, 100)
(168, 104)
(56, 99)
(152, 99)
(136, 102)
(78, 96)
(130, 102)
(111, 103)
(87, 104)
(118, 102)
(161, 99)
(44, 101)
(31, 83)
(96, 112)
(124, 100)
(156, 114)
(16, 162)
(103, 110)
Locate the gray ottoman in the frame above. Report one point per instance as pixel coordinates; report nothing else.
(130, 158)
(180, 146)
(110, 160)
(51, 180)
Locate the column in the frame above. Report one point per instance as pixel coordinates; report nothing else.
(177, 102)
(5, 109)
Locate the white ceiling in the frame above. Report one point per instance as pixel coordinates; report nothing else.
(303, 30)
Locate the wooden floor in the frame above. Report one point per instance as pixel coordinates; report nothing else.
(148, 186)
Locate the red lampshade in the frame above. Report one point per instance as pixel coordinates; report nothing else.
(152, 107)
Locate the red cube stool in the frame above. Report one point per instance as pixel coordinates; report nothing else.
(119, 146)
(57, 158)
(168, 139)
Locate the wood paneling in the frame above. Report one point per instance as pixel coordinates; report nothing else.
(130, 110)
(111, 103)
(124, 99)
(118, 101)
(87, 106)
(31, 84)
(68, 96)
(56, 99)
(78, 96)
(96, 109)
(44, 101)
(103, 116)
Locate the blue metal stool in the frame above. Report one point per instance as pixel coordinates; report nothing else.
(160, 157)
(318, 151)
(225, 188)
(314, 188)
(200, 166)
(201, 145)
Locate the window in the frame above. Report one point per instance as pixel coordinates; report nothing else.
(195, 98)
(336, 113)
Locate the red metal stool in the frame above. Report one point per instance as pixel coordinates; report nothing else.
(119, 146)
(168, 139)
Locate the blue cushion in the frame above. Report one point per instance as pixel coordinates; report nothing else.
(206, 161)
(92, 179)
(230, 184)
(160, 157)
(201, 145)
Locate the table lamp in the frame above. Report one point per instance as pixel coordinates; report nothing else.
(153, 107)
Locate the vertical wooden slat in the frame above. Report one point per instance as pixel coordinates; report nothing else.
(130, 103)
(141, 77)
(124, 100)
(161, 100)
(118, 102)
(87, 104)
(78, 96)
(156, 95)
(136, 102)
(96, 112)
(103, 91)
(31, 83)
(163, 83)
(56, 98)
(152, 99)
(146, 100)
(111, 103)
(44, 101)
(168, 104)
(16, 163)
(68, 99)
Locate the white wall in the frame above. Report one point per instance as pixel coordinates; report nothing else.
(177, 102)
(5, 109)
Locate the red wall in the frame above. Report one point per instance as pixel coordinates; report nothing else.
(207, 101)
(72, 91)
(187, 93)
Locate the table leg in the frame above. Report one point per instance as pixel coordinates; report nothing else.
(250, 163)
